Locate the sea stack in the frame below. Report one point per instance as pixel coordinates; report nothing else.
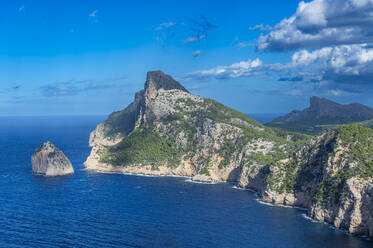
(48, 160)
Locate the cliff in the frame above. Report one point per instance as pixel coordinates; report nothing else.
(168, 131)
(48, 160)
(331, 176)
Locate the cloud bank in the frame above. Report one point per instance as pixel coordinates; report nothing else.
(72, 87)
(348, 68)
(331, 43)
(321, 23)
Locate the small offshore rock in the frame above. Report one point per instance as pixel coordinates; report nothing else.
(48, 160)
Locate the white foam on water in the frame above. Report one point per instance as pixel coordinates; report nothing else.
(136, 174)
(239, 188)
(280, 205)
(309, 218)
(189, 180)
(273, 205)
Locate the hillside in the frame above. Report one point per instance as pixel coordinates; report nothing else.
(322, 114)
(168, 131)
(331, 176)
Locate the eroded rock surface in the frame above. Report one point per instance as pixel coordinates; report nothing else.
(48, 160)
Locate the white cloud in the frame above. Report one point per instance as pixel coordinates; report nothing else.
(245, 44)
(335, 92)
(74, 87)
(347, 68)
(333, 44)
(261, 27)
(196, 53)
(321, 23)
(194, 39)
(165, 25)
(240, 69)
(347, 60)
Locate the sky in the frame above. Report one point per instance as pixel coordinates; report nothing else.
(90, 57)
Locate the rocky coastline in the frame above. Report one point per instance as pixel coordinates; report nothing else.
(167, 131)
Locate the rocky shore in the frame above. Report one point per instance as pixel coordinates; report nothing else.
(168, 131)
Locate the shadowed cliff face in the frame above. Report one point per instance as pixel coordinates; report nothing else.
(123, 122)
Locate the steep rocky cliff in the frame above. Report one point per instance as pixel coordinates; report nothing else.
(168, 131)
(48, 160)
(331, 176)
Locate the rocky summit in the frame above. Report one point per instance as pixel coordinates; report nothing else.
(168, 131)
(48, 160)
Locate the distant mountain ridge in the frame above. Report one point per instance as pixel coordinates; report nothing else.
(325, 111)
(320, 113)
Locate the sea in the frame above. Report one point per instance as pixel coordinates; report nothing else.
(91, 209)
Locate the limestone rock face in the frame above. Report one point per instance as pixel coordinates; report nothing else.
(48, 160)
(168, 131)
(331, 176)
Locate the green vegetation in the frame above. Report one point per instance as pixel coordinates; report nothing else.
(285, 178)
(143, 147)
(332, 189)
(368, 123)
(310, 129)
(284, 169)
(220, 113)
(121, 122)
(359, 142)
(146, 146)
(356, 161)
(190, 121)
(204, 171)
(313, 128)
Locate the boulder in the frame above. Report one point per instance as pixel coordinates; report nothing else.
(48, 160)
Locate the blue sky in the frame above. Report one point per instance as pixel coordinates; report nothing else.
(90, 57)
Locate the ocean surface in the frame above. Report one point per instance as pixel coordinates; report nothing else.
(91, 209)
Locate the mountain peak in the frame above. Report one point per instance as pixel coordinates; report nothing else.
(325, 111)
(314, 100)
(160, 80)
(317, 102)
